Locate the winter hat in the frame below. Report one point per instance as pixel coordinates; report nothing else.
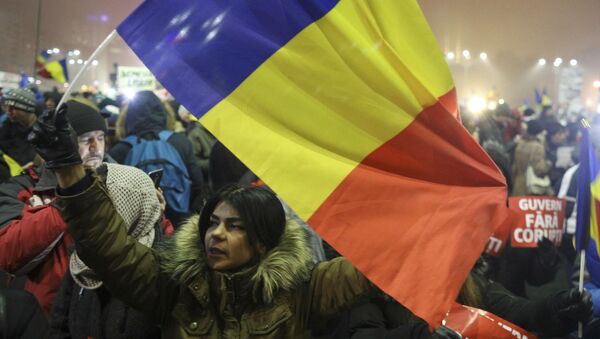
(20, 98)
(534, 127)
(134, 197)
(84, 117)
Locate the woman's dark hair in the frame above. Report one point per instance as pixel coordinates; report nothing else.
(260, 210)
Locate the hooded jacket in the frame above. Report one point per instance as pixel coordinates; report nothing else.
(279, 297)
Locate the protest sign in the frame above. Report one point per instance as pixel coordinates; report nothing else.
(540, 217)
(9, 80)
(474, 323)
(135, 78)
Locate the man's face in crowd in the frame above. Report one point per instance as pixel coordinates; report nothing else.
(91, 148)
(20, 117)
(559, 137)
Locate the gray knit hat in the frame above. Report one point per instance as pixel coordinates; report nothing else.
(20, 98)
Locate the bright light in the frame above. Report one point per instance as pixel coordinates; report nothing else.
(66, 84)
(30, 79)
(38, 82)
(450, 56)
(573, 62)
(557, 62)
(56, 50)
(49, 51)
(596, 83)
(96, 82)
(95, 63)
(476, 104)
(129, 93)
(542, 62)
(501, 101)
(483, 56)
(492, 105)
(71, 62)
(79, 61)
(76, 52)
(467, 54)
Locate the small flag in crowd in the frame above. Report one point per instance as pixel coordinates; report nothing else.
(50, 68)
(346, 109)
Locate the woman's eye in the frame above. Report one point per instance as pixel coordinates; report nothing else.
(236, 227)
(213, 223)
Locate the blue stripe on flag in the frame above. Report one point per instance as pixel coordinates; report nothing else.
(202, 50)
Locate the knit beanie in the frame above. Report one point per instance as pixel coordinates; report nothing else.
(20, 98)
(84, 117)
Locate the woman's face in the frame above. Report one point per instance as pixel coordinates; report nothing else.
(226, 241)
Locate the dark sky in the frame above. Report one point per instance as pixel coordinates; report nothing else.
(514, 33)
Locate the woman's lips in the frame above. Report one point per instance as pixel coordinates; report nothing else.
(215, 252)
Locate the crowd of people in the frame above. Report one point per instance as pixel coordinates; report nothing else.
(128, 219)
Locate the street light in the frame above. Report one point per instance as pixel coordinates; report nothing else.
(76, 52)
(79, 61)
(466, 54)
(573, 62)
(483, 56)
(56, 50)
(95, 63)
(557, 62)
(71, 62)
(450, 56)
(542, 62)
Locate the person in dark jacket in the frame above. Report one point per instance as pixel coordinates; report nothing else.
(21, 108)
(553, 315)
(145, 117)
(240, 270)
(34, 241)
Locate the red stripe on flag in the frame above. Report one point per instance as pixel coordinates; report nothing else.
(417, 212)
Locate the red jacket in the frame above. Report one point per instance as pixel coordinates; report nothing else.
(41, 232)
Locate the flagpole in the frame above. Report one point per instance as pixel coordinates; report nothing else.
(581, 272)
(36, 49)
(86, 64)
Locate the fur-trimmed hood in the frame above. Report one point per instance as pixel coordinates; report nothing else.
(182, 257)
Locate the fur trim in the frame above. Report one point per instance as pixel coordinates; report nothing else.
(282, 268)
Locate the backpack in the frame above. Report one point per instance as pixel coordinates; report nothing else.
(150, 155)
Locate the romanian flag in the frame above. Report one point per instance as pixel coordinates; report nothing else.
(348, 111)
(52, 69)
(588, 195)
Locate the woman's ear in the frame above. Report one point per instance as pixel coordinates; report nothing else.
(261, 249)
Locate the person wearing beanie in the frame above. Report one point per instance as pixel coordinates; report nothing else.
(38, 224)
(530, 151)
(90, 128)
(21, 108)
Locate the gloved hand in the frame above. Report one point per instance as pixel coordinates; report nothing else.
(547, 254)
(54, 140)
(575, 305)
(444, 332)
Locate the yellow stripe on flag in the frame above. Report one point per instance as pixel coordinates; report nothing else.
(595, 192)
(56, 71)
(337, 91)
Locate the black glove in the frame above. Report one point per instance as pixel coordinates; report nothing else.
(574, 305)
(444, 332)
(54, 140)
(547, 254)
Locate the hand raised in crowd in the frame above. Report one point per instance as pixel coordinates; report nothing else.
(54, 140)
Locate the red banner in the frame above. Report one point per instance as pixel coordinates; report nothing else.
(540, 217)
(474, 323)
